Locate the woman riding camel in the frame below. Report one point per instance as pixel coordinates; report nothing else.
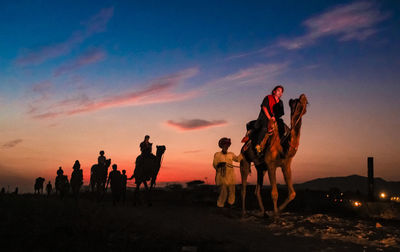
(225, 174)
(271, 110)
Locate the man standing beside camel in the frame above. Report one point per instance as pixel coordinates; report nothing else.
(225, 174)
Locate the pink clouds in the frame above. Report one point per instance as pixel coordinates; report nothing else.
(254, 75)
(42, 87)
(89, 57)
(355, 21)
(96, 24)
(195, 124)
(160, 90)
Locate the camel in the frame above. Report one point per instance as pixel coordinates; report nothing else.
(98, 178)
(147, 169)
(39, 185)
(276, 154)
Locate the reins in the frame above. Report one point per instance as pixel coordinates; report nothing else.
(298, 120)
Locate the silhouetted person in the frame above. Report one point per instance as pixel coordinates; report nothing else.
(16, 190)
(3, 190)
(49, 188)
(62, 183)
(76, 178)
(60, 171)
(146, 152)
(124, 179)
(115, 181)
(101, 160)
(146, 146)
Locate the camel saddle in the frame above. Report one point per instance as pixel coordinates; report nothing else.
(284, 136)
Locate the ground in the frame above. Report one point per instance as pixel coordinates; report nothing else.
(175, 223)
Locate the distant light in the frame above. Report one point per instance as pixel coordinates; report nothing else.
(382, 195)
(357, 203)
(341, 194)
(341, 200)
(396, 199)
(327, 195)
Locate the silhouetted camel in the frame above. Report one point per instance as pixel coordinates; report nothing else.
(275, 156)
(98, 178)
(39, 185)
(146, 169)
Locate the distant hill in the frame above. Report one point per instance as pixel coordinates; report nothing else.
(350, 183)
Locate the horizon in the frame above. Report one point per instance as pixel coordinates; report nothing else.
(80, 78)
(164, 184)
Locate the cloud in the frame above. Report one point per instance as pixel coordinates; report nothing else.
(254, 75)
(160, 90)
(40, 92)
(195, 124)
(42, 87)
(355, 21)
(11, 144)
(90, 57)
(96, 24)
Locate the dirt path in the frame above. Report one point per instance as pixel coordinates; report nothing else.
(40, 224)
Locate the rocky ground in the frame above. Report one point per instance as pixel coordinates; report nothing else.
(37, 223)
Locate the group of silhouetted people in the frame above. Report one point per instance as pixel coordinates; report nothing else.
(3, 191)
(116, 179)
(117, 182)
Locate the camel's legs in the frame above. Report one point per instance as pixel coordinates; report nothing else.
(135, 195)
(274, 189)
(258, 192)
(287, 174)
(148, 193)
(244, 172)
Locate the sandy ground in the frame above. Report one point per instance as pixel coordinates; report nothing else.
(35, 223)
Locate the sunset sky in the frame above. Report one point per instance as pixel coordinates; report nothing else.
(77, 77)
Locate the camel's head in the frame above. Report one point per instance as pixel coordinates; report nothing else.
(160, 150)
(298, 107)
(108, 163)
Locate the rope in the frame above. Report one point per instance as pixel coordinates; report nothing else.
(236, 166)
(298, 119)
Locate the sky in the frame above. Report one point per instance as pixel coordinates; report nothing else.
(77, 77)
